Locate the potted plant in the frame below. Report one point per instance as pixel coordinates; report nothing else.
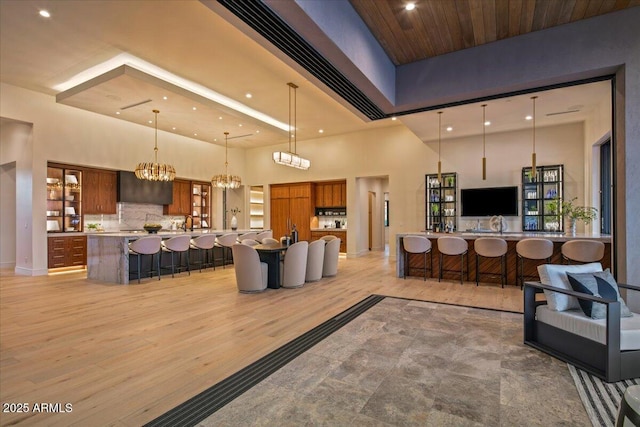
(573, 212)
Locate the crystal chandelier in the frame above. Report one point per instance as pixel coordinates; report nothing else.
(225, 180)
(290, 158)
(154, 171)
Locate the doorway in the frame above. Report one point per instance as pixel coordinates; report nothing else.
(370, 217)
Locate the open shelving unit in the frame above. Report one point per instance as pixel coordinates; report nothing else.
(64, 199)
(256, 207)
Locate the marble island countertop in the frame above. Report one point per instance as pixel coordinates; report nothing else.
(329, 229)
(138, 233)
(513, 235)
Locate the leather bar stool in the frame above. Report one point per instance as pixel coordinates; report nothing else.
(491, 247)
(534, 249)
(177, 245)
(417, 245)
(582, 251)
(226, 242)
(203, 244)
(149, 245)
(453, 246)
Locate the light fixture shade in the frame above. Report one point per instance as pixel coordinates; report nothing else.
(151, 171)
(290, 159)
(154, 171)
(224, 181)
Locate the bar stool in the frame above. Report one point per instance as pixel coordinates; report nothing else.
(226, 242)
(149, 245)
(177, 245)
(417, 245)
(204, 243)
(531, 249)
(582, 251)
(453, 246)
(491, 247)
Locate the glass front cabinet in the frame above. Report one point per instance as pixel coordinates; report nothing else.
(541, 194)
(201, 205)
(64, 203)
(441, 200)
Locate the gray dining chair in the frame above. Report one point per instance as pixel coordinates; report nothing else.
(251, 274)
(315, 261)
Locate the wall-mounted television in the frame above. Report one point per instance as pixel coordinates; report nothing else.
(134, 190)
(489, 201)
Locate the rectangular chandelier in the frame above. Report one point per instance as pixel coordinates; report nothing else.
(290, 159)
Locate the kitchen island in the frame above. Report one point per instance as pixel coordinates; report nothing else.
(512, 238)
(108, 253)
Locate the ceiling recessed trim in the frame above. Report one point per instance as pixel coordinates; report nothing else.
(105, 70)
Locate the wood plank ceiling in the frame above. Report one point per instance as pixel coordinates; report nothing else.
(437, 27)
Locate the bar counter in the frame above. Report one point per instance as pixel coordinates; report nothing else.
(108, 252)
(491, 264)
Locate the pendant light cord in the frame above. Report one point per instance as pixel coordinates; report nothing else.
(226, 154)
(155, 149)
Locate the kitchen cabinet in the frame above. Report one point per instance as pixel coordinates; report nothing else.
(100, 191)
(539, 193)
(67, 251)
(64, 201)
(201, 193)
(181, 199)
(292, 204)
(331, 194)
(441, 209)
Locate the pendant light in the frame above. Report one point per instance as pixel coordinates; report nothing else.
(484, 151)
(290, 158)
(154, 171)
(439, 143)
(533, 153)
(224, 180)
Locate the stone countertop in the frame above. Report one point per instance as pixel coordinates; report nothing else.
(163, 233)
(513, 235)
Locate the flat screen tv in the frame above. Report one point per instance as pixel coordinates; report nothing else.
(134, 190)
(489, 201)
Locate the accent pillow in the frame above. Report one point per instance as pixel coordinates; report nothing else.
(600, 284)
(556, 275)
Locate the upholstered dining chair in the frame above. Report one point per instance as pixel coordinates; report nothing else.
(417, 245)
(315, 261)
(177, 245)
(294, 266)
(148, 245)
(226, 241)
(534, 249)
(250, 235)
(328, 237)
(250, 242)
(251, 274)
(331, 254)
(203, 244)
(269, 240)
(491, 247)
(453, 246)
(263, 235)
(582, 251)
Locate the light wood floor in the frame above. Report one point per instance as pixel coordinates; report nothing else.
(123, 355)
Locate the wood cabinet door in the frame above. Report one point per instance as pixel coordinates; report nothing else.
(300, 190)
(76, 250)
(279, 217)
(336, 194)
(327, 200)
(319, 198)
(279, 191)
(300, 213)
(99, 192)
(343, 194)
(181, 199)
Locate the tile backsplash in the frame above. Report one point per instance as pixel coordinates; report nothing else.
(133, 216)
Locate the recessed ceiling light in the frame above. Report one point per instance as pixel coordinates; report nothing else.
(248, 95)
(394, 118)
(321, 131)
(257, 131)
(449, 128)
(487, 123)
(239, 124)
(45, 13)
(220, 117)
(194, 108)
(174, 128)
(118, 112)
(410, 6)
(528, 118)
(165, 98)
(150, 121)
(195, 134)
